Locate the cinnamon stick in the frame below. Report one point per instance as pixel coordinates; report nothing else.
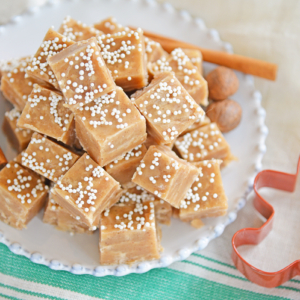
(237, 62)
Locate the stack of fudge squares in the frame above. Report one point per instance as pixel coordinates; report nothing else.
(111, 134)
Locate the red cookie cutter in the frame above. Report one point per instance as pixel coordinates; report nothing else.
(253, 236)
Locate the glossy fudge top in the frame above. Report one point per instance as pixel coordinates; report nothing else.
(81, 73)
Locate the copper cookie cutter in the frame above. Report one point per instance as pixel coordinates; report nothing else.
(253, 236)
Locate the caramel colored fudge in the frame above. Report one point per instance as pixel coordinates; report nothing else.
(47, 158)
(7, 66)
(109, 26)
(188, 75)
(59, 217)
(206, 197)
(45, 113)
(124, 55)
(167, 107)
(137, 194)
(81, 73)
(123, 168)
(109, 127)
(196, 58)
(165, 175)
(204, 143)
(154, 50)
(22, 195)
(128, 234)
(202, 121)
(18, 138)
(39, 68)
(86, 190)
(76, 30)
(16, 85)
(163, 211)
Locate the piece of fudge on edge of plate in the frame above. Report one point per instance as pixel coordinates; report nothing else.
(196, 58)
(167, 107)
(206, 197)
(76, 30)
(86, 190)
(39, 68)
(47, 158)
(22, 195)
(129, 234)
(137, 194)
(164, 174)
(16, 86)
(109, 126)
(45, 113)
(81, 73)
(124, 55)
(204, 143)
(123, 168)
(109, 26)
(18, 138)
(59, 217)
(188, 75)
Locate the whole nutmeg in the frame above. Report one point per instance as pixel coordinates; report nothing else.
(226, 114)
(222, 83)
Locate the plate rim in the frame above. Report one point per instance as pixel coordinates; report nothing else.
(183, 253)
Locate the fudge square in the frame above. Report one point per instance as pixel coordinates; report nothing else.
(81, 73)
(18, 138)
(124, 55)
(196, 58)
(154, 50)
(47, 158)
(39, 68)
(206, 197)
(128, 234)
(86, 190)
(204, 143)
(122, 169)
(109, 26)
(45, 113)
(164, 174)
(16, 85)
(137, 194)
(202, 121)
(109, 126)
(167, 107)
(76, 30)
(22, 195)
(188, 75)
(60, 218)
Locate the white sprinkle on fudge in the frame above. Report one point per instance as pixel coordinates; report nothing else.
(206, 197)
(167, 107)
(81, 73)
(109, 126)
(164, 174)
(204, 143)
(39, 68)
(47, 158)
(86, 190)
(45, 113)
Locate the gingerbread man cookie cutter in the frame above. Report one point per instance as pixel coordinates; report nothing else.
(253, 236)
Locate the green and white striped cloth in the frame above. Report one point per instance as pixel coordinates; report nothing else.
(199, 277)
(208, 274)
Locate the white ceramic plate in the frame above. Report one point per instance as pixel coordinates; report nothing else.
(79, 253)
